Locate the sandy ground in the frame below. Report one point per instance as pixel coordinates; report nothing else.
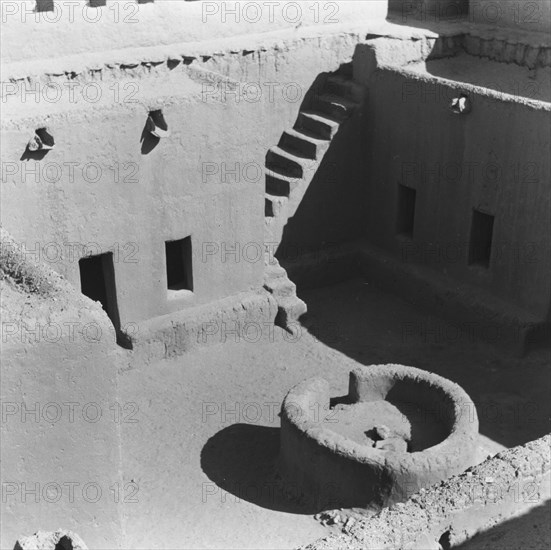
(204, 448)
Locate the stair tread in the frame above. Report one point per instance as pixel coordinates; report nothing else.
(273, 271)
(281, 282)
(338, 100)
(291, 301)
(320, 117)
(333, 121)
(276, 198)
(278, 175)
(289, 155)
(302, 134)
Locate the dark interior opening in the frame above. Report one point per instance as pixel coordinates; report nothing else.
(64, 543)
(159, 119)
(97, 281)
(445, 541)
(45, 5)
(178, 264)
(480, 248)
(406, 211)
(45, 137)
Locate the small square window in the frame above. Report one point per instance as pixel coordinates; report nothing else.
(406, 211)
(179, 272)
(482, 229)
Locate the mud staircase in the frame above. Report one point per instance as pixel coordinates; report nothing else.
(291, 167)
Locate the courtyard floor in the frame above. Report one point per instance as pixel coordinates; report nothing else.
(203, 452)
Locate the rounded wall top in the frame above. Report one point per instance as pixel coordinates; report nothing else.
(302, 404)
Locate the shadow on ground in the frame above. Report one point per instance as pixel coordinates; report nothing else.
(242, 460)
(373, 327)
(531, 531)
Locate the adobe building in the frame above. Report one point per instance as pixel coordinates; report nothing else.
(190, 165)
(174, 224)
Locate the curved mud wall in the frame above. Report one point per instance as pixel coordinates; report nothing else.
(338, 472)
(500, 488)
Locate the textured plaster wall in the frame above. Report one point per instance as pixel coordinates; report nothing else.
(75, 29)
(531, 16)
(60, 436)
(493, 159)
(182, 187)
(514, 14)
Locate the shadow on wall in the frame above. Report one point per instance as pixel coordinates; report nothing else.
(148, 141)
(374, 327)
(242, 461)
(531, 530)
(325, 199)
(426, 14)
(331, 209)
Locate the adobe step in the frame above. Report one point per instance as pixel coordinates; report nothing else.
(338, 108)
(274, 205)
(289, 310)
(285, 163)
(281, 287)
(317, 124)
(272, 269)
(280, 185)
(303, 145)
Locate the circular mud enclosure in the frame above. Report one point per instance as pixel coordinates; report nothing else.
(398, 430)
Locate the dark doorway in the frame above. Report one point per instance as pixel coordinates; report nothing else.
(406, 211)
(97, 281)
(179, 272)
(482, 229)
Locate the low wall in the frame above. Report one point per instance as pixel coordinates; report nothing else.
(502, 487)
(241, 317)
(531, 16)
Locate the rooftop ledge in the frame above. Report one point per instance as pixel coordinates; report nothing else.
(164, 29)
